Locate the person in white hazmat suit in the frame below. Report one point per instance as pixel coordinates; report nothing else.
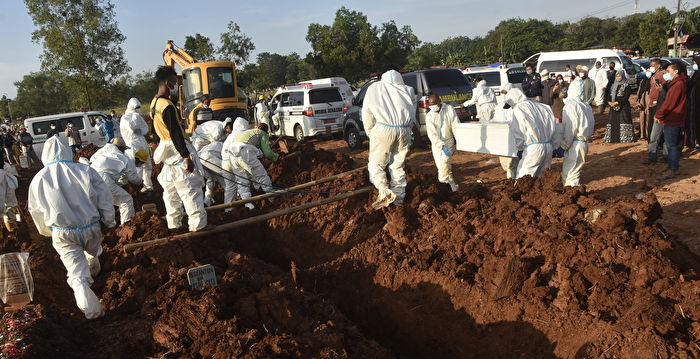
(262, 113)
(230, 187)
(439, 122)
(8, 198)
(67, 201)
(505, 115)
(572, 135)
(243, 154)
(133, 130)
(485, 100)
(210, 155)
(116, 169)
(533, 129)
(388, 112)
(210, 132)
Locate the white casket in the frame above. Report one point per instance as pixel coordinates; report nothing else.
(493, 138)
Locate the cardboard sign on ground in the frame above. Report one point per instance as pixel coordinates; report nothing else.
(199, 276)
(16, 283)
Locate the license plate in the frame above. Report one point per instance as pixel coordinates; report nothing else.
(329, 121)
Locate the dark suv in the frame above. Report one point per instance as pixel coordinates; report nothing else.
(448, 83)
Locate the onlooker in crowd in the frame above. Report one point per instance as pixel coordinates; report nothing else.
(27, 141)
(672, 114)
(8, 142)
(558, 91)
(52, 131)
(547, 84)
(692, 136)
(610, 73)
(74, 140)
(598, 75)
(569, 74)
(532, 84)
(645, 121)
(585, 87)
(656, 134)
(620, 128)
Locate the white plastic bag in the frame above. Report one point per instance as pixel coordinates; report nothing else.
(16, 282)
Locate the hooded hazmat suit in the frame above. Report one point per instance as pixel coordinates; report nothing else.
(242, 153)
(210, 155)
(388, 112)
(439, 127)
(485, 100)
(230, 187)
(8, 198)
(133, 130)
(209, 132)
(508, 164)
(262, 114)
(576, 129)
(67, 200)
(533, 128)
(112, 166)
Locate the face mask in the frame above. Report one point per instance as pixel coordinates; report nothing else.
(695, 67)
(668, 77)
(529, 72)
(53, 127)
(561, 82)
(648, 73)
(582, 74)
(70, 125)
(652, 69)
(173, 90)
(435, 108)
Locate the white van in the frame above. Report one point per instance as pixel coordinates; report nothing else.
(496, 76)
(82, 121)
(555, 62)
(305, 110)
(342, 84)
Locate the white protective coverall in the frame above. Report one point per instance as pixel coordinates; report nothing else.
(67, 200)
(115, 168)
(209, 132)
(439, 127)
(134, 129)
(533, 128)
(210, 155)
(577, 127)
(600, 77)
(242, 154)
(230, 187)
(239, 125)
(485, 100)
(388, 112)
(262, 113)
(508, 164)
(8, 198)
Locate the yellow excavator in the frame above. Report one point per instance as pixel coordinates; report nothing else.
(215, 78)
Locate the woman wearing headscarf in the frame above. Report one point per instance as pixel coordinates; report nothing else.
(620, 127)
(692, 126)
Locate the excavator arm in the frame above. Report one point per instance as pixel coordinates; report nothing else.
(175, 55)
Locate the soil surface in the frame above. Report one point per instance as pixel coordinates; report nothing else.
(500, 269)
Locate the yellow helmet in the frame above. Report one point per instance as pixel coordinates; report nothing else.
(141, 155)
(261, 97)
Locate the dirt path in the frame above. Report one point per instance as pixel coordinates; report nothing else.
(611, 170)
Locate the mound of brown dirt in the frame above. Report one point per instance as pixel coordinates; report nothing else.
(87, 151)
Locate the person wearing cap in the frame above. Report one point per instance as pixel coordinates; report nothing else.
(199, 114)
(598, 75)
(27, 141)
(117, 169)
(582, 86)
(547, 85)
(532, 84)
(262, 113)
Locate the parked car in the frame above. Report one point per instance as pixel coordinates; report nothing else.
(84, 122)
(497, 76)
(448, 83)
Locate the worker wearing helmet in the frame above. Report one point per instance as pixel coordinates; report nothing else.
(72, 217)
(181, 176)
(533, 129)
(134, 129)
(388, 113)
(116, 169)
(262, 113)
(438, 123)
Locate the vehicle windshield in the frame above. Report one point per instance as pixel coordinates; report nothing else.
(447, 79)
(516, 76)
(220, 82)
(192, 84)
(324, 95)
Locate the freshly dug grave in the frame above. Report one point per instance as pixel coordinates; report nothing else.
(526, 269)
(87, 151)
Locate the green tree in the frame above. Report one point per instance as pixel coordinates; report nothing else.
(394, 46)
(82, 43)
(40, 93)
(235, 46)
(654, 32)
(199, 47)
(5, 107)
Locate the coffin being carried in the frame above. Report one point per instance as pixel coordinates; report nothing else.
(494, 138)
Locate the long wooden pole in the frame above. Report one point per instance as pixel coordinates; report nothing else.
(244, 222)
(282, 191)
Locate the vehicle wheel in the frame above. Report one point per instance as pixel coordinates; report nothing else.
(298, 133)
(352, 137)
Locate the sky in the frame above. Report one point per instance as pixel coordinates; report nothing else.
(280, 26)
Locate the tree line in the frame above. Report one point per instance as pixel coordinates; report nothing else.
(83, 63)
